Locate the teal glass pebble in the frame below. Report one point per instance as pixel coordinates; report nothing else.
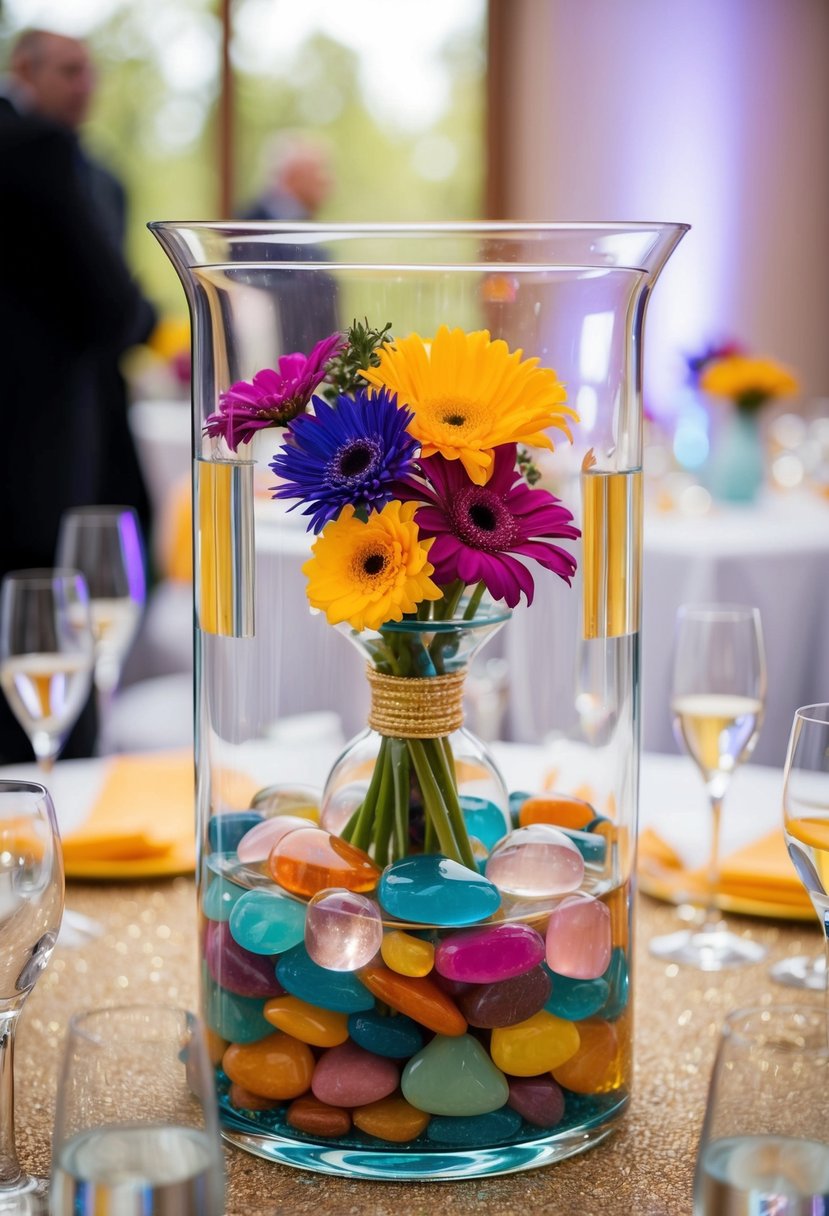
(224, 831)
(266, 922)
(338, 990)
(595, 823)
(475, 1132)
(236, 1018)
(433, 889)
(592, 848)
(218, 898)
(575, 1000)
(617, 978)
(516, 800)
(484, 820)
(397, 1038)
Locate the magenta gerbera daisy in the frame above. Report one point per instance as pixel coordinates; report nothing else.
(482, 532)
(274, 396)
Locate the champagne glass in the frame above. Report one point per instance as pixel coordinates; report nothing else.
(717, 699)
(806, 824)
(105, 544)
(136, 1128)
(31, 902)
(764, 1145)
(46, 655)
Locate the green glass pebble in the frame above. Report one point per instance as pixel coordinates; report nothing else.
(266, 922)
(219, 897)
(575, 1000)
(617, 978)
(339, 990)
(454, 1076)
(493, 1128)
(396, 1037)
(236, 1018)
(484, 820)
(432, 889)
(224, 831)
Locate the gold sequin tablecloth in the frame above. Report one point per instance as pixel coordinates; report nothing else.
(147, 953)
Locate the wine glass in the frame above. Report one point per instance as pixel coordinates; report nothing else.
(806, 824)
(136, 1128)
(46, 655)
(105, 544)
(763, 1147)
(31, 902)
(717, 699)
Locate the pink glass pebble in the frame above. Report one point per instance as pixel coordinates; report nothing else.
(579, 938)
(536, 862)
(489, 954)
(343, 929)
(256, 844)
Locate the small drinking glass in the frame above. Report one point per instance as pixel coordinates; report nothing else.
(764, 1147)
(136, 1128)
(31, 903)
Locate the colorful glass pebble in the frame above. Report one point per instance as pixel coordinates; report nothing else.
(418, 997)
(484, 820)
(311, 860)
(255, 845)
(343, 930)
(275, 1067)
(593, 847)
(617, 978)
(308, 1023)
(243, 1099)
(432, 889)
(539, 1100)
(480, 1130)
(392, 1119)
(454, 1076)
(224, 831)
(597, 1066)
(238, 1019)
(537, 1045)
(307, 1114)
(349, 1075)
(299, 800)
(340, 990)
(489, 954)
(267, 922)
(235, 968)
(406, 954)
(505, 1003)
(560, 810)
(517, 799)
(536, 861)
(579, 938)
(395, 1036)
(576, 1000)
(218, 898)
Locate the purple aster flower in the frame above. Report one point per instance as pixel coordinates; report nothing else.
(481, 531)
(353, 452)
(273, 397)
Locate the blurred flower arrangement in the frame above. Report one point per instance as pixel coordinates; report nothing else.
(747, 380)
(404, 454)
(161, 368)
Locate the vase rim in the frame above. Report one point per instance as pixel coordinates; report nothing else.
(487, 615)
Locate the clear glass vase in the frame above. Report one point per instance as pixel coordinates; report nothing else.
(404, 1063)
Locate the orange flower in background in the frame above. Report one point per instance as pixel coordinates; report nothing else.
(749, 381)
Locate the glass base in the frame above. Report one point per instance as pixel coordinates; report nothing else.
(802, 971)
(28, 1197)
(707, 949)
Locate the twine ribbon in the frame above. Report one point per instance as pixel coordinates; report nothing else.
(405, 707)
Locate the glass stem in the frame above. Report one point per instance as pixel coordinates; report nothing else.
(10, 1171)
(712, 916)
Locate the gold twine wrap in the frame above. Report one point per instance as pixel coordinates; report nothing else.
(405, 707)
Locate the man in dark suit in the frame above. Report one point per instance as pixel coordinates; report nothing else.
(68, 308)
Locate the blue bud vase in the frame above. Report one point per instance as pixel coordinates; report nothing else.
(737, 468)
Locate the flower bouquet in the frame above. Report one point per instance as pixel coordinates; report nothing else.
(747, 380)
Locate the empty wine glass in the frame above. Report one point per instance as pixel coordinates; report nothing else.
(717, 699)
(105, 544)
(46, 654)
(136, 1128)
(31, 902)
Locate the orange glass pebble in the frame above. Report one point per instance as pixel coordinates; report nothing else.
(216, 1046)
(559, 809)
(392, 1119)
(618, 901)
(308, 1023)
(407, 955)
(278, 1066)
(310, 860)
(597, 1066)
(419, 997)
(317, 1118)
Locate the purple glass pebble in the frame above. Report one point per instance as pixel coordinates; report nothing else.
(238, 970)
(489, 954)
(536, 861)
(579, 940)
(343, 929)
(539, 1100)
(490, 1006)
(256, 844)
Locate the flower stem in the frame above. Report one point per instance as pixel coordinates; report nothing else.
(384, 817)
(361, 833)
(474, 600)
(399, 757)
(426, 764)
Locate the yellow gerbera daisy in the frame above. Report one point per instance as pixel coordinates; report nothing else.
(469, 394)
(748, 381)
(369, 573)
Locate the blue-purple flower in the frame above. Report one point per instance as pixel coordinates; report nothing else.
(351, 453)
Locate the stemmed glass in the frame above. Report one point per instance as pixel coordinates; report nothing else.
(31, 903)
(105, 544)
(717, 699)
(806, 824)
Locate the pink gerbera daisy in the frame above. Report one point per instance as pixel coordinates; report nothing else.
(481, 532)
(273, 397)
